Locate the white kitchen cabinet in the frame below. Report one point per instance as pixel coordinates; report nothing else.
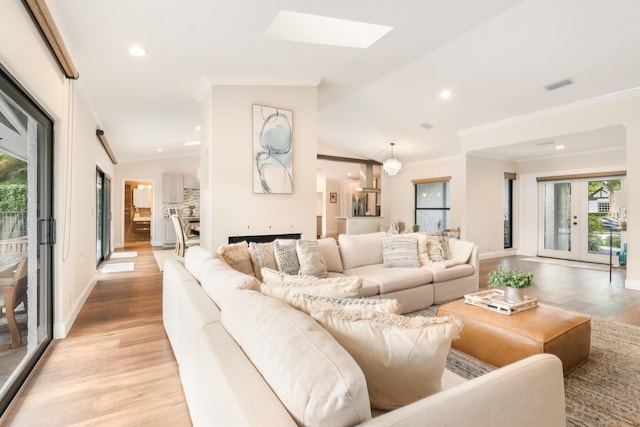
(172, 187)
(168, 232)
(141, 198)
(191, 181)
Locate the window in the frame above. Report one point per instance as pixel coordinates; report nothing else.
(432, 204)
(508, 209)
(603, 207)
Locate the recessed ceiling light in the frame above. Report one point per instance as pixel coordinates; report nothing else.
(559, 147)
(306, 28)
(137, 51)
(189, 143)
(445, 94)
(159, 150)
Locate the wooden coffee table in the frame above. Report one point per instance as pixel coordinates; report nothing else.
(499, 339)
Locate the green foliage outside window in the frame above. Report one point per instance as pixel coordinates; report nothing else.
(13, 198)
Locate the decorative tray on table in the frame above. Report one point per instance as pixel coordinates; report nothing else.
(493, 299)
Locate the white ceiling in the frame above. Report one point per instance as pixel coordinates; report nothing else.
(495, 56)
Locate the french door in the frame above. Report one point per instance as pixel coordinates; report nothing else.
(27, 235)
(579, 218)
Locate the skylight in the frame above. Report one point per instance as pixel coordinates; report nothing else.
(305, 28)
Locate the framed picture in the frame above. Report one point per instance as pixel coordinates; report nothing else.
(333, 197)
(172, 211)
(272, 150)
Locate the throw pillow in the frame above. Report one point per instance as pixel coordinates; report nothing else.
(286, 256)
(435, 250)
(331, 254)
(400, 251)
(334, 287)
(262, 257)
(274, 276)
(237, 256)
(310, 258)
(308, 303)
(403, 358)
(460, 250)
(313, 376)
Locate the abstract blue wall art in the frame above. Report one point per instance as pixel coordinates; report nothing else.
(272, 150)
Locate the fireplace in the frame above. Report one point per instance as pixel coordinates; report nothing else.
(264, 238)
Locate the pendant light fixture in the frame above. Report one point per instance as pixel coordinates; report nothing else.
(393, 165)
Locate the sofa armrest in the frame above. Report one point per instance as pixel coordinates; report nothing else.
(526, 393)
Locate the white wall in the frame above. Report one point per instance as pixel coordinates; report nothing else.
(620, 109)
(230, 206)
(332, 209)
(26, 57)
(152, 171)
(485, 201)
(398, 191)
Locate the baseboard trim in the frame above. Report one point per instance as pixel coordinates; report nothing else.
(500, 254)
(61, 329)
(632, 284)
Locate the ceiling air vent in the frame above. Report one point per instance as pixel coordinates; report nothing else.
(558, 85)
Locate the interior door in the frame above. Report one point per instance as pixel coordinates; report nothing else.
(578, 219)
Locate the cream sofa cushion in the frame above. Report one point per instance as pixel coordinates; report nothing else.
(218, 279)
(357, 250)
(313, 376)
(392, 279)
(403, 358)
(308, 303)
(237, 256)
(331, 254)
(194, 260)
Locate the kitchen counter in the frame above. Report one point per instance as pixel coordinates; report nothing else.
(358, 224)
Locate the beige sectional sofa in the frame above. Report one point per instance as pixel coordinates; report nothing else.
(416, 288)
(247, 359)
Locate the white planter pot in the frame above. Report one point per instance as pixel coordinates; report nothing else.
(513, 295)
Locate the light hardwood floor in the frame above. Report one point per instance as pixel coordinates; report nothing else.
(116, 367)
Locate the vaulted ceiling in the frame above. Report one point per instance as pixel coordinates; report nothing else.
(495, 56)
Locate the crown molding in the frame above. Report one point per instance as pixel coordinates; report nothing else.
(575, 106)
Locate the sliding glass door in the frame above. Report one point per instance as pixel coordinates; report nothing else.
(579, 218)
(27, 233)
(103, 216)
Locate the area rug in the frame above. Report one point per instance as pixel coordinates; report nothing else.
(568, 263)
(116, 255)
(119, 267)
(162, 256)
(603, 391)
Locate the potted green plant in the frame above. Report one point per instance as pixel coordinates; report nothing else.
(191, 208)
(514, 282)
